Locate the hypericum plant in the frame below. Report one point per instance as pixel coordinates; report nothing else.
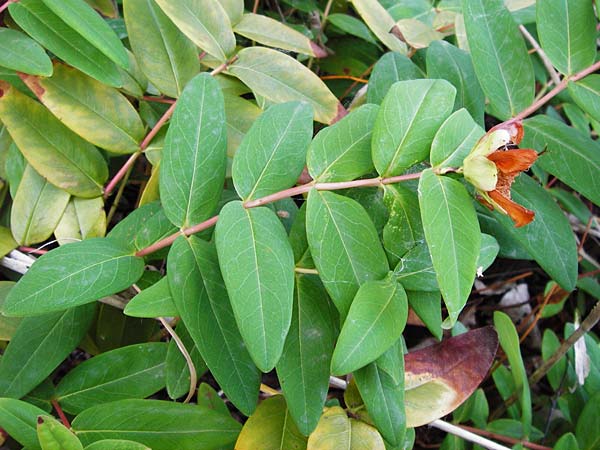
(270, 247)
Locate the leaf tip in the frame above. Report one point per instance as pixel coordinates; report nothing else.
(318, 51)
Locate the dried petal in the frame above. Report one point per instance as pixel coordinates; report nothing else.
(513, 161)
(519, 214)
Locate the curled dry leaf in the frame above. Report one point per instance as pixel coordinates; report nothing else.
(440, 377)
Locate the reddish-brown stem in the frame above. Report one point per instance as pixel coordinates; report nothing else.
(120, 174)
(149, 98)
(60, 413)
(589, 274)
(37, 251)
(8, 2)
(344, 77)
(502, 438)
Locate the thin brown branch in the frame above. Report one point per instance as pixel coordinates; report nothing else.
(502, 438)
(545, 60)
(61, 414)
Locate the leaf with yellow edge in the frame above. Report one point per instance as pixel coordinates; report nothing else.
(440, 377)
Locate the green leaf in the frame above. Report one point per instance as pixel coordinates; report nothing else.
(415, 33)
(390, 68)
(21, 53)
(384, 396)
(7, 242)
(488, 252)
(73, 275)
(234, 9)
(453, 236)
(375, 321)
(96, 112)
(586, 93)
(353, 26)
(344, 245)
(188, 426)
(38, 346)
(566, 442)
(408, 119)
(446, 61)
(240, 114)
(205, 22)
(273, 33)
(258, 268)
(37, 208)
(280, 78)
(415, 270)
(116, 444)
(549, 238)
(165, 55)
(8, 325)
(427, 307)
(209, 398)
(89, 24)
(178, 373)
(56, 153)
(83, 218)
(567, 32)
(154, 301)
(509, 341)
(311, 338)
(499, 56)
(135, 371)
(454, 140)
(270, 428)
(273, 152)
(46, 27)
(192, 168)
(550, 344)
(19, 420)
(203, 303)
(380, 22)
(342, 152)
(569, 155)
(53, 435)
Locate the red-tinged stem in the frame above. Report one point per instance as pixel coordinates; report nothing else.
(589, 274)
(502, 438)
(554, 92)
(37, 251)
(149, 98)
(278, 196)
(60, 413)
(547, 64)
(8, 2)
(120, 174)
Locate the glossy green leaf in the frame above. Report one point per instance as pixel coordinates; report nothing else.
(379, 20)
(488, 252)
(19, 420)
(83, 218)
(73, 275)
(384, 396)
(273, 152)
(273, 33)
(37, 208)
(98, 113)
(352, 25)
(586, 93)
(415, 270)
(21, 53)
(567, 33)
(569, 155)
(427, 306)
(375, 321)
(342, 152)
(205, 22)
(158, 424)
(311, 338)
(408, 119)
(55, 152)
(209, 398)
(154, 301)
(344, 245)
(452, 233)
(390, 68)
(135, 371)
(258, 268)
(192, 168)
(240, 114)
(446, 61)
(566, 442)
(53, 435)
(549, 238)
(280, 78)
(8, 325)
(50, 30)
(499, 56)
(116, 444)
(271, 428)
(89, 24)
(509, 341)
(203, 304)
(165, 55)
(14, 166)
(178, 372)
(454, 140)
(38, 346)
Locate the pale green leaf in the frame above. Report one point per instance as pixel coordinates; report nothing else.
(19, 420)
(258, 268)
(83, 218)
(192, 168)
(234, 9)
(280, 78)
(116, 444)
(379, 20)
(415, 33)
(390, 68)
(53, 435)
(453, 236)
(21, 53)
(586, 93)
(408, 119)
(154, 301)
(73, 275)
(454, 140)
(273, 152)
